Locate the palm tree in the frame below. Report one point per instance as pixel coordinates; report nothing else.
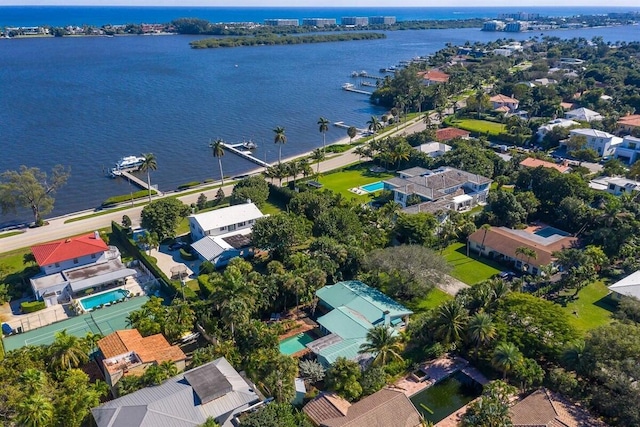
(317, 155)
(383, 343)
(324, 127)
(68, 351)
(218, 151)
(528, 253)
(573, 357)
(352, 132)
(451, 320)
(148, 164)
(485, 227)
(34, 411)
(481, 330)
(33, 380)
(280, 139)
(506, 357)
(374, 125)
(91, 340)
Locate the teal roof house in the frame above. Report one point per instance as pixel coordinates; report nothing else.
(353, 308)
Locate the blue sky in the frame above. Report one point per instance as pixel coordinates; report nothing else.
(325, 3)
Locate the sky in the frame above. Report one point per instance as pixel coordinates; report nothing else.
(322, 3)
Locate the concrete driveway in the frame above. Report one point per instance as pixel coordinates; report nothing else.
(167, 260)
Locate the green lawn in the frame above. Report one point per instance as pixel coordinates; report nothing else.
(432, 300)
(352, 176)
(593, 307)
(10, 233)
(469, 270)
(478, 126)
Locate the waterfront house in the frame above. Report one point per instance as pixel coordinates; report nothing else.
(544, 408)
(127, 353)
(626, 287)
(615, 185)
(531, 162)
(441, 189)
(223, 234)
(213, 390)
(502, 243)
(629, 123)
(601, 142)
(583, 115)
(381, 409)
(74, 265)
(433, 76)
(499, 101)
(447, 134)
(629, 150)
(352, 308)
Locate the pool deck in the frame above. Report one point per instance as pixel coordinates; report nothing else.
(301, 328)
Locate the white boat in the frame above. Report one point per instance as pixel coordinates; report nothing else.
(129, 162)
(249, 145)
(348, 86)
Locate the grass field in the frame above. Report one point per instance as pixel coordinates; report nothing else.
(10, 233)
(432, 300)
(478, 126)
(472, 269)
(593, 307)
(352, 176)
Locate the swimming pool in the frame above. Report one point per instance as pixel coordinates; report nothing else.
(97, 300)
(445, 397)
(374, 186)
(295, 343)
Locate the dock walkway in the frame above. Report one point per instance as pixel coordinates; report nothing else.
(246, 154)
(352, 89)
(135, 180)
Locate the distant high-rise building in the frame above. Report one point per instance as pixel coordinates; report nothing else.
(515, 26)
(356, 21)
(493, 26)
(282, 22)
(386, 20)
(519, 16)
(319, 22)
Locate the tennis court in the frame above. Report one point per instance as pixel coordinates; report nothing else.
(103, 321)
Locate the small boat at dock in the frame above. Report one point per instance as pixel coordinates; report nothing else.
(348, 86)
(249, 145)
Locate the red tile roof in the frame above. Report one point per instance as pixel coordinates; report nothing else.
(154, 348)
(63, 250)
(435, 76)
(447, 134)
(504, 99)
(630, 120)
(530, 162)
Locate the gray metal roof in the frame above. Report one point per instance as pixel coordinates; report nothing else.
(176, 403)
(208, 248)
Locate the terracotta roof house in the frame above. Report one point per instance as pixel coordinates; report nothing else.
(384, 408)
(126, 352)
(500, 100)
(447, 134)
(530, 162)
(352, 308)
(72, 265)
(626, 287)
(629, 123)
(448, 188)
(501, 243)
(213, 390)
(543, 408)
(433, 76)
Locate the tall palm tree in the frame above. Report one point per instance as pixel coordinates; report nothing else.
(485, 228)
(68, 351)
(374, 125)
(481, 330)
(451, 320)
(148, 164)
(279, 139)
(317, 155)
(35, 411)
(323, 127)
(383, 343)
(217, 148)
(527, 253)
(506, 357)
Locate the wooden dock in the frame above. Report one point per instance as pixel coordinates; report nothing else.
(342, 125)
(371, 77)
(352, 89)
(245, 154)
(134, 179)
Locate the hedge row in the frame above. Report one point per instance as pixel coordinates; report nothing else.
(32, 307)
(187, 256)
(280, 195)
(171, 287)
(188, 185)
(127, 197)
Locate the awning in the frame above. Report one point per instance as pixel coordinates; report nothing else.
(102, 279)
(462, 198)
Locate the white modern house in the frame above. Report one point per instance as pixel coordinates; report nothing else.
(74, 265)
(614, 185)
(583, 115)
(545, 129)
(627, 287)
(629, 150)
(603, 143)
(434, 149)
(224, 233)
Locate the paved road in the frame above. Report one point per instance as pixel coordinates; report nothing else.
(57, 229)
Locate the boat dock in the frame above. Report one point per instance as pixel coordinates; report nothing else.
(353, 89)
(368, 84)
(371, 77)
(246, 154)
(342, 125)
(137, 181)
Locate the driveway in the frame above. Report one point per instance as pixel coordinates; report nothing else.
(167, 260)
(452, 286)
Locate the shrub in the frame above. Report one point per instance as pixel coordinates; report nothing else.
(187, 256)
(206, 267)
(188, 185)
(280, 195)
(127, 197)
(32, 307)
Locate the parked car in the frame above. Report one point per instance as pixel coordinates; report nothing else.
(177, 245)
(506, 275)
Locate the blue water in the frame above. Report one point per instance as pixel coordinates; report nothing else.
(91, 15)
(85, 102)
(295, 344)
(374, 186)
(100, 299)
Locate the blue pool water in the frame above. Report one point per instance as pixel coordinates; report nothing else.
(374, 186)
(100, 299)
(295, 343)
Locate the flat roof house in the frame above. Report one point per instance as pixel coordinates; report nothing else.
(501, 243)
(602, 142)
(614, 185)
(629, 150)
(223, 234)
(126, 353)
(214, 390)
(384, 408)
(73, 265)
(352, 309)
